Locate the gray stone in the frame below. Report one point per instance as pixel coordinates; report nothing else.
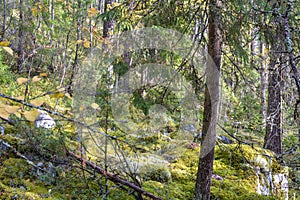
(2, 130)
(225, 139)
(190, 128)
(45, 121)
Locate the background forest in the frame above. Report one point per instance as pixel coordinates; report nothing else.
(55, 145)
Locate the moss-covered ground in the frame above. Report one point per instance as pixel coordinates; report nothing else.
(62, 178)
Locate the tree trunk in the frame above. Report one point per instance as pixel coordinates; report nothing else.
(211, 104)
(292, 61)
(79, 37)
(263, 86)
(4, 20)
(21, 39)
(273, 137)
(108, 24)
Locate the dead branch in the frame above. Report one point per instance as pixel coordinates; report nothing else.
(113, 177)
(20, 155)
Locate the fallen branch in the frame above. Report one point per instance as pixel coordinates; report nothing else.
(113, 177)
(19, 154)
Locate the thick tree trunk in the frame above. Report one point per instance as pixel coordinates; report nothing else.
(211, 104)
(273, 137)
(205, 165)
(292, 61)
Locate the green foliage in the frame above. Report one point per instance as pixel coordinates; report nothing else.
(6, 77)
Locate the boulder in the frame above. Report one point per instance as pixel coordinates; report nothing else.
(45, 121)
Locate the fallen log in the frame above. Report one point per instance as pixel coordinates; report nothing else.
(113, 177)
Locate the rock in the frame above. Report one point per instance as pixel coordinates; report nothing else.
(281, 184)
(190, 128)
(51, 170)
(45, 121)
(198, 136)
(264, 182)
(217, 177)
(225, 139)
(170, 158)
(2, 130)
(40, 164)
(270, 183)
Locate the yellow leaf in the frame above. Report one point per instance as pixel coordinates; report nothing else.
(92, 12)
(36, 79)
(79, 41)
(95, 106)
(37, 102)
(22, 80)
(4, 43)
(9, 50)
(86, 44)
(34, 11)
(31, 115)
(43, 74)
(12, 109)
(57, 95)
(4, 114)
(68, 95)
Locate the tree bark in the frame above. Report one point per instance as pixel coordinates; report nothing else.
(273, 137)
(21, 39)
(263, 86)
(4, 20)
(289, 44)
(211, 104)
(108, 24)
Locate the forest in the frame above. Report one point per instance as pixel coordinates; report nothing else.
(150, 99)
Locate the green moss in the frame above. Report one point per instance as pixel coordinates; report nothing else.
(239, 189)
(12, 140)
(170, 191)
(16, 168)
(235, 163)
(156, 173)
